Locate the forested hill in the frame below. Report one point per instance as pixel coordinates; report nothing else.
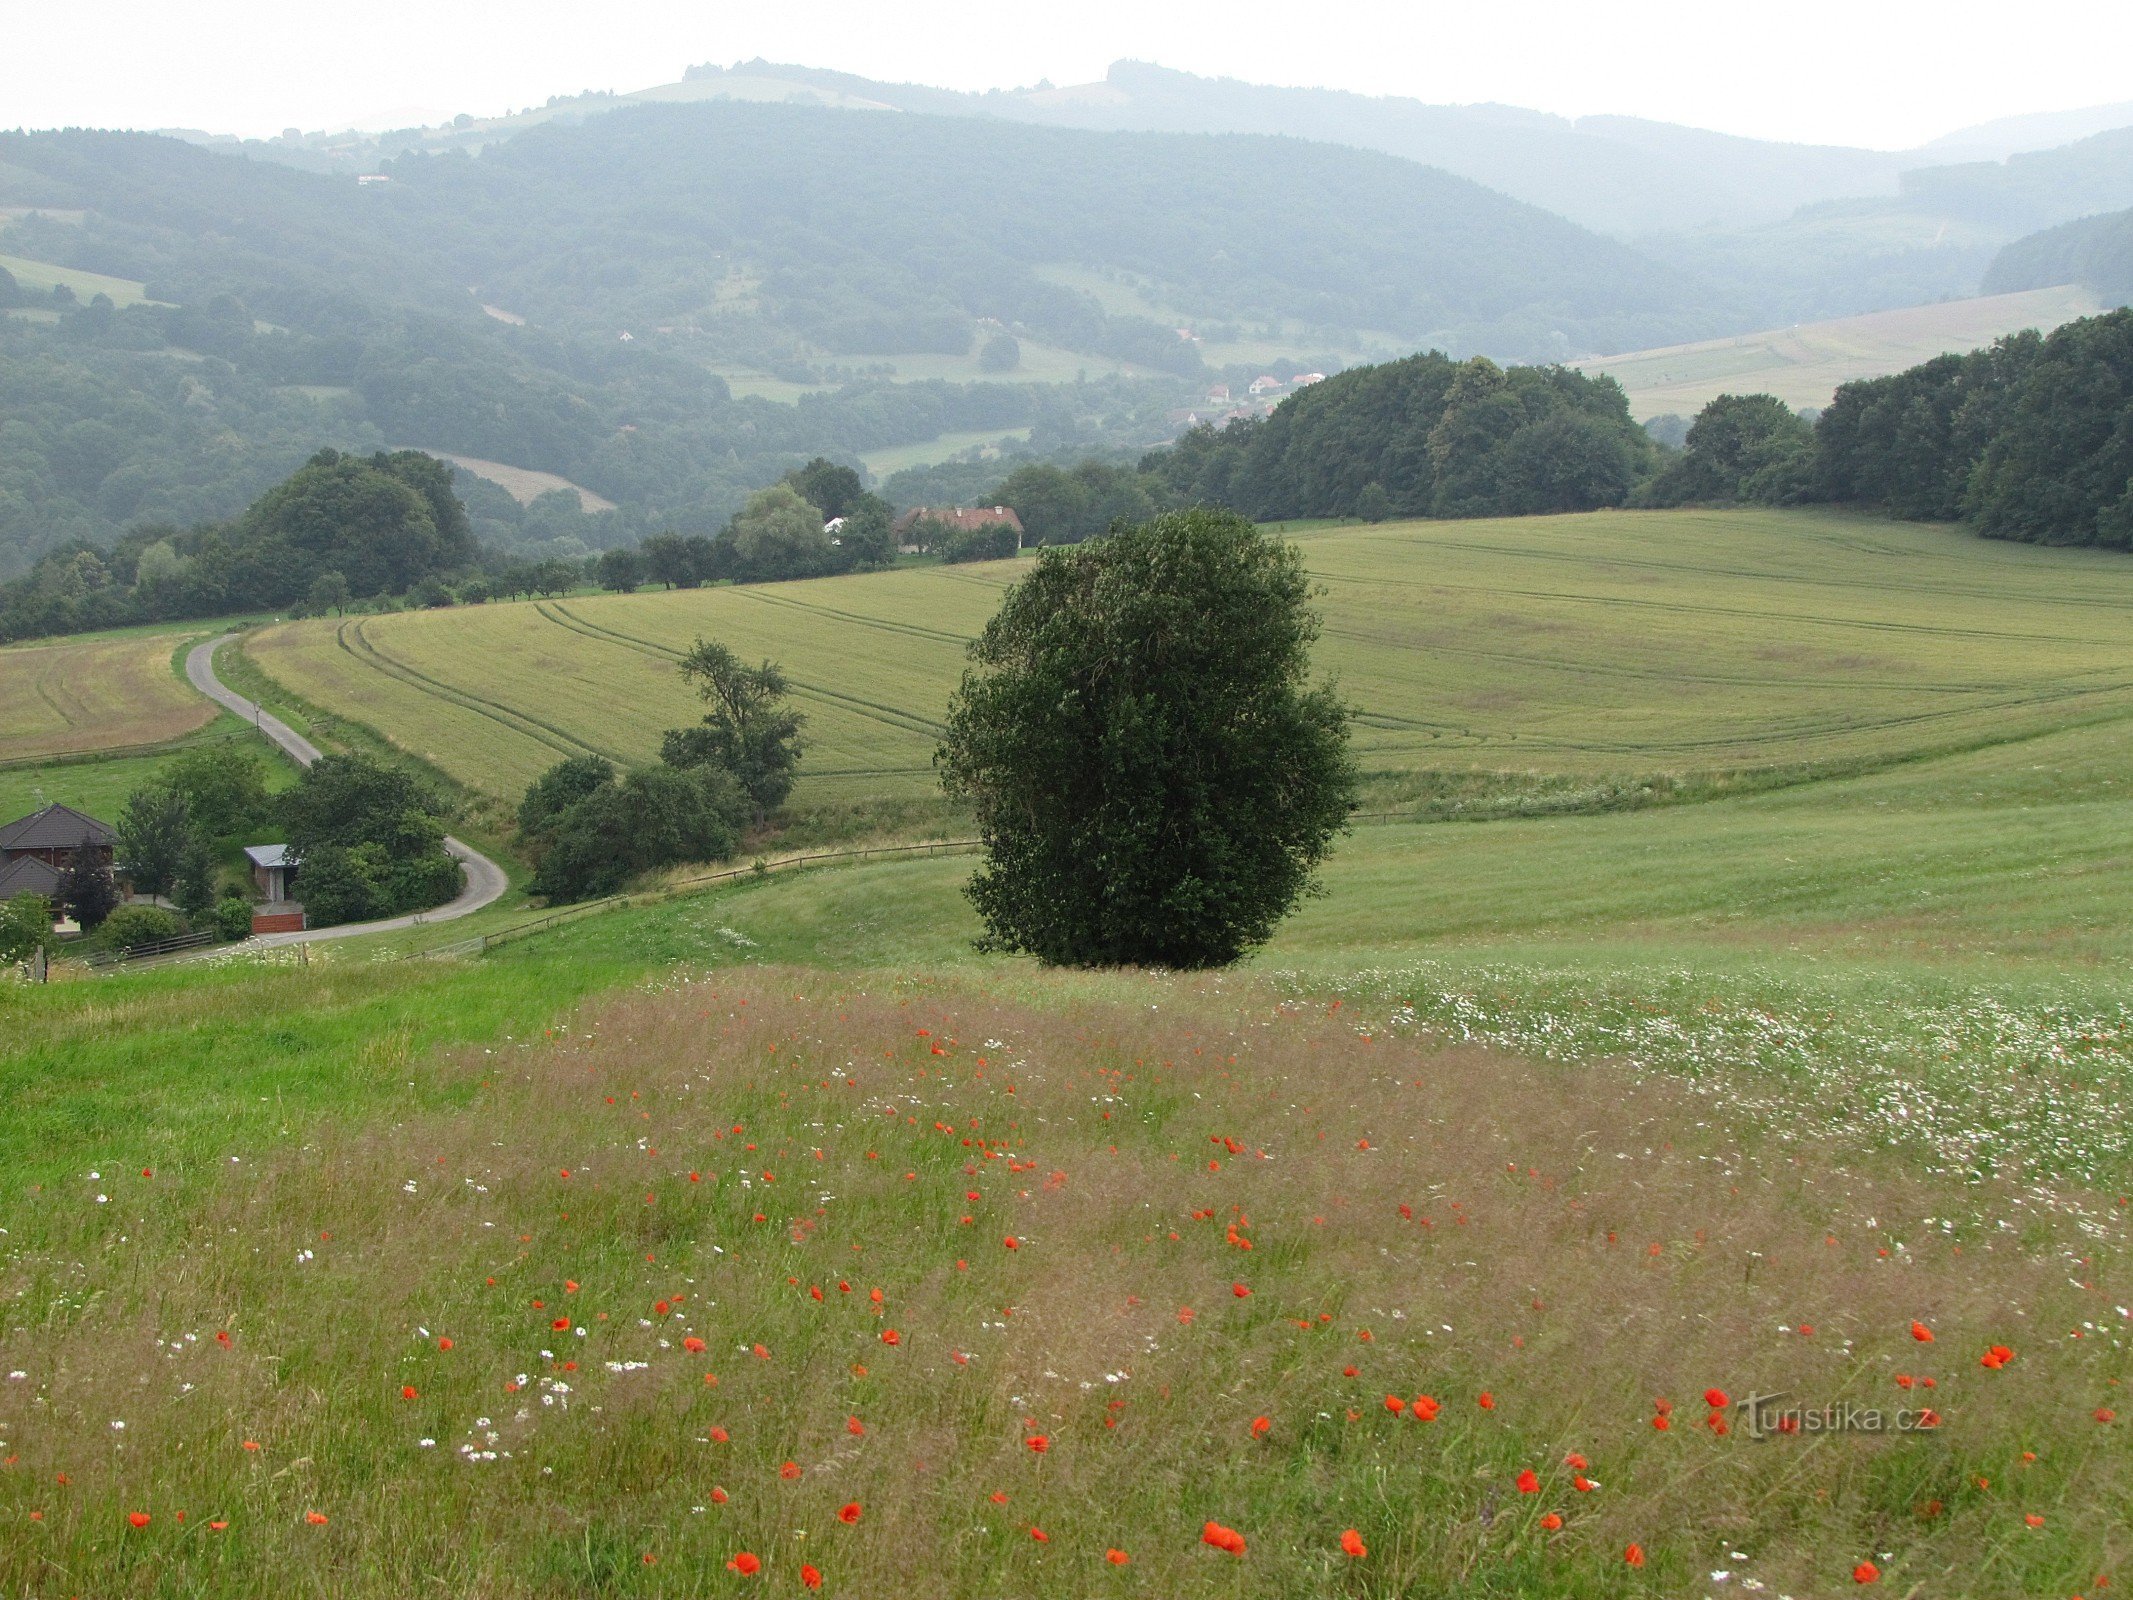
(849, 234)
(2095, 252)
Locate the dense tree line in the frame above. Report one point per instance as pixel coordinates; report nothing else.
(2030, 438)
(2095, 252)
(341, 527)
(1427, 436)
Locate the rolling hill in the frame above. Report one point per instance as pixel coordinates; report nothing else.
(1556, 648)
(1804, 365)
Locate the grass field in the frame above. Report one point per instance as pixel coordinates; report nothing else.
(95, 693)
(522, 484)
(1606, 654)
(1804, 364)
(1569, 1125)
(925, 453)
(44, 275)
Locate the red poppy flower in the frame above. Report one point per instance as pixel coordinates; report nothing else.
(891, 1336)
(1426, 1408)
(1261, 1427)
(1715, 1399)
(1239, 1290)
(1117, 1558)
(138, 1518)
(1922, 1333)
(1039, 1443)
(718, 1496)
(1529, 1482)
(693, 1345)
(317, 1519)
(848, 1513)
(1634, 1555)
(1551, 1522)
(1228, 1539)
(745, 1564)
(1866, 1572)
(1040, 1536)
(810, 1576)
(407, 1391)
(854, 1427)
(1487, 1402)
(789, 1471)
(1352, 1545)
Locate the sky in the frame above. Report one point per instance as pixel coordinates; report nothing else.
(1888, 74)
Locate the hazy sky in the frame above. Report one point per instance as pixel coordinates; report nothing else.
(1886, 73)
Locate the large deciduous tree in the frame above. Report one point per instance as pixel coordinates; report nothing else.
(1154, 776)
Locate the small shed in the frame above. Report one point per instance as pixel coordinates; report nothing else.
(272, 869)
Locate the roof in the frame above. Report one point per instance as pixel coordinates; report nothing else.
(29, 876)
(962, 517)
(55, 828)
(268, 855)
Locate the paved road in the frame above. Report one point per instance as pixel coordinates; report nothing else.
(485, 879)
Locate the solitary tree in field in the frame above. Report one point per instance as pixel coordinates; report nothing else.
(749, 730)
(1154, 776)
(329, 592)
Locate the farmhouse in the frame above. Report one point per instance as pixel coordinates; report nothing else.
(957, 519)
(35, 850)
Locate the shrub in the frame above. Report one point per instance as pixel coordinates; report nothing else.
(132, 925)
(232, 917)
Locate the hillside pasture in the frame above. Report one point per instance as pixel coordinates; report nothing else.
(84, 695)
(523, 484)
(43, 276)
(1585, 655)
(1803, 365)
(788, 1279)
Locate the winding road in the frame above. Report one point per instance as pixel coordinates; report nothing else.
(485, 879)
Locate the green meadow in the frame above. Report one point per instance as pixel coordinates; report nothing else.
(1728, 996)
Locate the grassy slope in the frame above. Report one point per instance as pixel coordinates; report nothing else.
(95, 692)
(1618, 650)
(1849, 1000)
(1803, 365)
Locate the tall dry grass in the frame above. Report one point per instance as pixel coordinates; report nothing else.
(655, 1246)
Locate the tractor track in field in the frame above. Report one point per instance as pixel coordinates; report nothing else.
(1599, 563)
(366, 651)
(1684, 608)
(889, 716)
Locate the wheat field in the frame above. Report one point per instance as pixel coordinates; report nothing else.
(1615, 645)
(94, 694)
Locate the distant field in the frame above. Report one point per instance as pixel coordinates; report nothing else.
(93, 694)
(1591, 649)
(42, 275)
(1803, 365)
(928, 451)
(523, 484)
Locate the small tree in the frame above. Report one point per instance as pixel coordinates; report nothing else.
(779, 535)
(154, 826)
(1001, 353)
(329, 592)
(1154, 778)
(25, 923)
(830, 489)
(224, 788)
(620, 571)
(749, 730)
(867, 541)
(193, 883)
(86, 890)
